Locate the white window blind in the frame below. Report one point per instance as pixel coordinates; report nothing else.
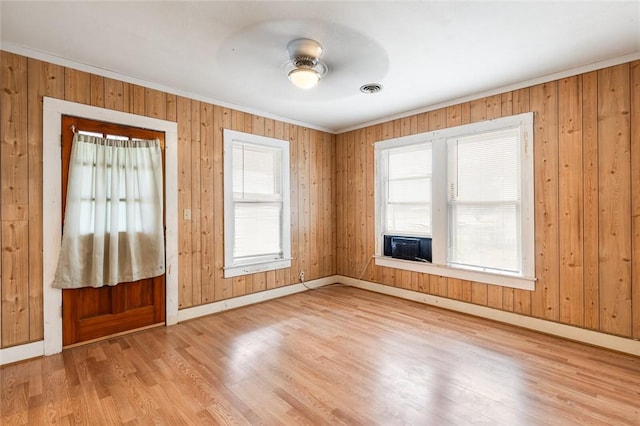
(484, 201)
(408, 186)
(257, 196)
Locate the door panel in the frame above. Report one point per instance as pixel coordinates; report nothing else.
(90, 313)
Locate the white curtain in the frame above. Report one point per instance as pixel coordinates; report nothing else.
(113, 223)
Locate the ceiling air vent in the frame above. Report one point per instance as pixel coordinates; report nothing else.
(371, 88)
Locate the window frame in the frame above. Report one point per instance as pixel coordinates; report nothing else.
(439, 215)
(232, 266)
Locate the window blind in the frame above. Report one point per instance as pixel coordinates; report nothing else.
(408, 207)
(484, 200)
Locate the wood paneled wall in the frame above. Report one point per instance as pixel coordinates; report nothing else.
(587, 195)
(587, 201)
(25, 81)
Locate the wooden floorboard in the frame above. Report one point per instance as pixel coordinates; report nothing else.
(336, 355)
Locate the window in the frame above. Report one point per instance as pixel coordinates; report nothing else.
(116, 198)
(256, 204)
(99, 129)
(469, 188)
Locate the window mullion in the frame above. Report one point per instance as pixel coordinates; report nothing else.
(439, 204)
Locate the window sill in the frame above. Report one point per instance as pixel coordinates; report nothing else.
(253, 268)
(462, 274)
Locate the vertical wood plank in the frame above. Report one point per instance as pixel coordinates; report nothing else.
(304, 199)
(614, 200)
(591, 287)
(405, 279)
(339, 212)
(185, 254)
(360, 157)
(349, 203)
(570, 195)
(127, 94)
(77, 86)
(373, 134)
(14, 199)
(437, 119)
(196, 206)
(155, 103)
(324, 221)
(207, 201)
(494, 106)
(44, 79)
(635, 196)
(315, 233)
(331, 200)
(405, 126)
(137, 99)
(172, 107)
(97, 90)
(259, 282)
(15, 276)
(478, 110)
(223, 286)
(294, 153)
(544, 101)
(113, 94)
(422, 122)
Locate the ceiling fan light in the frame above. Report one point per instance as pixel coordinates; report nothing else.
(304, 78)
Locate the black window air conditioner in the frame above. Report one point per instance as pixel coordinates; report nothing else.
(408, 248)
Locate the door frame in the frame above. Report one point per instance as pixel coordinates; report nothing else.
(53, 110)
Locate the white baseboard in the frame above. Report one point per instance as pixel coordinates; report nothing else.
(236, 302)
(21, 352)
(620, 344)
(570, 332)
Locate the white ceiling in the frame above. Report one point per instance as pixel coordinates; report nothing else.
(232, 53)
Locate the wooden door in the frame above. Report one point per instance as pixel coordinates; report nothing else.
(91, 313)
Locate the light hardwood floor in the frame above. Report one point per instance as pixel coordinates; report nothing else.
(336, 355)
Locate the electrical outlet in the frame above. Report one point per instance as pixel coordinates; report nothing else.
(301, 276)
(187, 214)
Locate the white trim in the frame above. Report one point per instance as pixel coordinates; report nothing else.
(21, 352)
(253, 268)
(232, 269)
(570, 332)
(616, 343)
(53, 109)
(236, 302)
(498, 90)
(36, 54)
